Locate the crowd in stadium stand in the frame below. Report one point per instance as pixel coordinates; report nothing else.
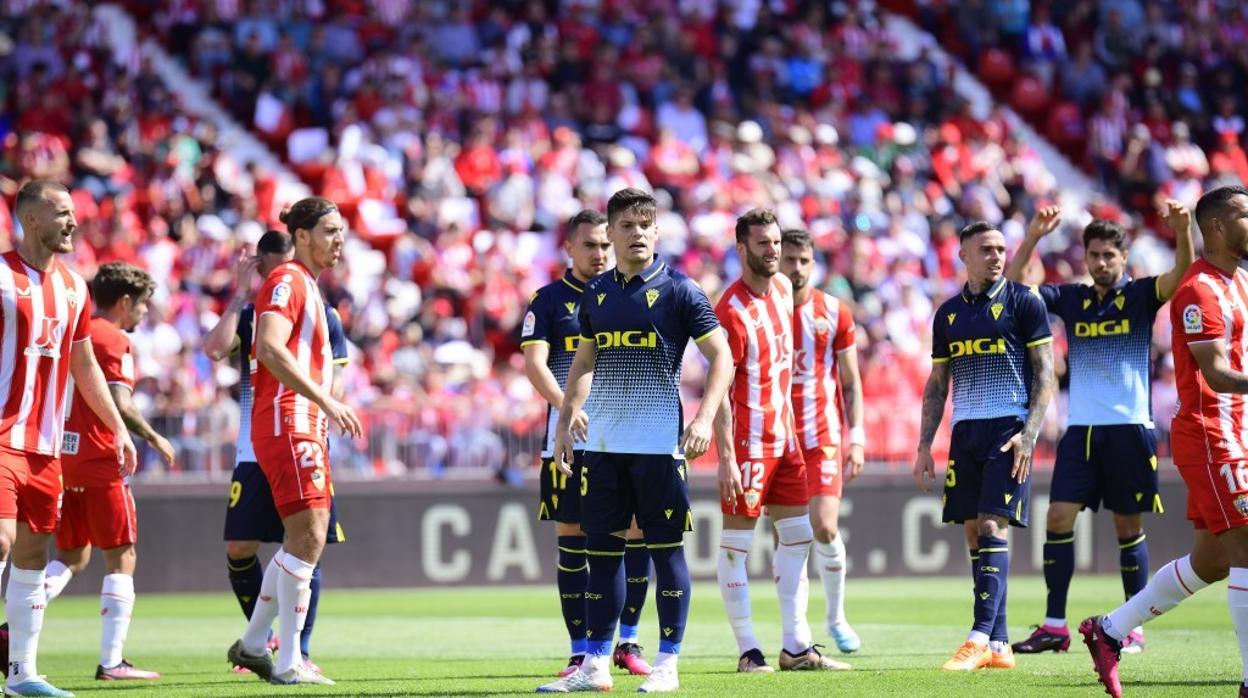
(457, 136)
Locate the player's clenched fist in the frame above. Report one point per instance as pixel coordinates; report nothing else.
(697, 439)
(1046, 221)
(924, 470)
(1177, 216)
(344, 417)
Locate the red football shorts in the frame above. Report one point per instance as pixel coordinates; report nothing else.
(779, 481)
(823, 471)
(297, 468)
(102, 516)
(30, 489)
(1217, 495)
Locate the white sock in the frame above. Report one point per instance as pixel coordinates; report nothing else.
(978, 637)
(594, 663)
(1055, 622)
(23, 605)
(1170, 585)
(663, 659)
(831, 561)
(734, 585)
(1237, 599)
(55, 579)
(116, 607)
(998, 646)
(788, 565)
(294, 589)
(257, 634)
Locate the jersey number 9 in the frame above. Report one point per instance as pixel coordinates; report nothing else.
(236, 493)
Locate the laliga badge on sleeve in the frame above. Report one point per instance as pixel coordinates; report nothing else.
(1192, 322)
(530, 322)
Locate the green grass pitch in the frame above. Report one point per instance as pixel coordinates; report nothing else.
(486, 641)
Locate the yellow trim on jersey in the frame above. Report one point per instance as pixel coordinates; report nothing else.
(992, 292)
(342, 535)
(1038, 342)
(940, 360)
(574, 287)
(639, 544)
(527, 342)
(342, 362)
(1157, 287)
(705, 336)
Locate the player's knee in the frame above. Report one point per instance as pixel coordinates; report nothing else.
(241, 549)
(1060, 520)
(825, 531)
(993, 526)
(1128, 525)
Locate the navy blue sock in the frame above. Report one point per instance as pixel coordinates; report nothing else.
(671, 576)
(572, 577)
(994, 566)
(1059, 567)
(245, 578)
(637, 585)
(1133, 561)
(604, 594)
(1000, 627)
(305, 637)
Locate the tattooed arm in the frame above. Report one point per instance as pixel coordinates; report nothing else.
(934, 396)
(1043, 387)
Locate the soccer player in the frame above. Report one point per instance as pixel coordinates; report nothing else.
(760, 463)
(636, 321)
(993, 341)
(548, 337)
(250, 517)
(45, 310)
(98, 507)
(293, 384)
(1109, 450)
(1208, 437)
(826, 388)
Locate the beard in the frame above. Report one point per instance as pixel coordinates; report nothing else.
(799, 282)
(757, 265)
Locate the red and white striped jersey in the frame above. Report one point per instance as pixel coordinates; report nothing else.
(1209, 306)
(43, 315)
(760, 335)
(291, 292)
(822, 328)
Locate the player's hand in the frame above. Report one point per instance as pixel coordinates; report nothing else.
(925, 469)
(342, 415)
(730, 482)
(1046, 221)
(853, 466)
(563, 454)
(127, 456)
(245, 270)
(1023, 446)
(164, 448)
(580, 427)
(697, 440)
(1177, 216)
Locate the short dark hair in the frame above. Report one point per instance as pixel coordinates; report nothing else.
(1215, 203)
(972, 229)
(753, 217)
(35, 191)
(1101, 229)
(797, 237)
(117, 279)
(586, 216)
(274, 242)
(306, 212)
(631, 199)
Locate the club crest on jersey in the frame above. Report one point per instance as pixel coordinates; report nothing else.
(751, 499)
(822, 326)
(318, 479)
(281, 295)
(652, 295)
(1087, 302)
(951, 317)
(1241, 504)
(996, 310)
(1120, 301)
(71, 297)
(601, 297)
(48, 341)
(1192, 322)
(530, 322)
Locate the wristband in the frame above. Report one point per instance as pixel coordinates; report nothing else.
(857, 436)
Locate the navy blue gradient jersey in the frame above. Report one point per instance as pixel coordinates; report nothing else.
(640, 328)
(1110, 342)
(984, 339)
(245, 334)
(553, 319)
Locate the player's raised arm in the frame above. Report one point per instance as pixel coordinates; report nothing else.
(697, 438)
(934, 396)
(222, 340)
(272, 331)
(1179, 218)
(1046, 221)
(851, 391)
(90, 383)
